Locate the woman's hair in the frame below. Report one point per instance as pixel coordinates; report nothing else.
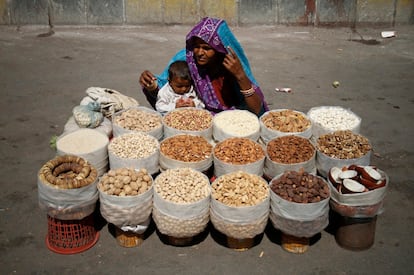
(179, 69)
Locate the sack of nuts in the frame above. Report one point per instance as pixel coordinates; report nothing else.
(281, 122)
(289, 153)
(299, 203)
(357, 191)
(238, 154)
(341, 148)
(240, 205)
(67, 188)
(125, 196)
(181, 202)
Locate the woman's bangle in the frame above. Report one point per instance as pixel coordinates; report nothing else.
(248, 92)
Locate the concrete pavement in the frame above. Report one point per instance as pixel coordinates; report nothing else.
(43, 78)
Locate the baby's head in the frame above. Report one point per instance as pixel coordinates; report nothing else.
(179, 77)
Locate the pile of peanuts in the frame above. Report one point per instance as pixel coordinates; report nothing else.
(334, 118)
(300, 187)
(240, 189)
(238, 151)
(187, 148)
(182, 185)
(237, 123)
(290, 149)
(125, 182)
(138, 120)
(134, 145)
(289, 121)
(189, 119)
(343, 145)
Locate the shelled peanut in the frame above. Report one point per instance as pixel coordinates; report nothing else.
(300, 187)
(290, 149)
(189, 119)
(343, 145)
(135, 119)
(240, 189)
(125, 182)
(187, 148)
(182, 185)
(289, 121)
(238, 151)
(133, 145)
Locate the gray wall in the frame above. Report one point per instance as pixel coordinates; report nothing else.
(239, 12)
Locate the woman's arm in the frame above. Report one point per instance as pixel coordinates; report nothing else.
(232, 63)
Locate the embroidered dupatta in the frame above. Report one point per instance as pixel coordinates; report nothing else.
(218, 35)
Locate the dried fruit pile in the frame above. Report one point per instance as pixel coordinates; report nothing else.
(238, 151)
(343, 145)
(67, 172)
(288, 121)
(290, 149)
(138, 120)
(187, 148)
(300, 187)
(240, 189)
(189, 119)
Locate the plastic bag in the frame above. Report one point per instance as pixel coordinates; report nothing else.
(299, 228)
(127, 211)
(181, 220)
(240, 222)
(67, 204)
(111, 101)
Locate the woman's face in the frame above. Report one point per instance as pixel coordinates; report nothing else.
(203, 52)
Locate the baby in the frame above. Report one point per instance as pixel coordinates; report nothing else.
(179, 91)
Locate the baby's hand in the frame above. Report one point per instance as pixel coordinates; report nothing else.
(184, 102)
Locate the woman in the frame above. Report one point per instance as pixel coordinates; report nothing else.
(219, 68)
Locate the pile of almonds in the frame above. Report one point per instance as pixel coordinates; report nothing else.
(125, 182)
(189, 119)
(290, 149)
(187, 148)
(238, 151)
(343, 145)
(240, 189)
(286, 121)
(300, 187)
(138, 120)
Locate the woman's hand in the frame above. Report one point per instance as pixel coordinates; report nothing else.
(232, 63)
(147, 80)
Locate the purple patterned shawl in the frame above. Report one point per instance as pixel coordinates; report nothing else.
(219, 36)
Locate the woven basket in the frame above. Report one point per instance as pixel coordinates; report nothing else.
(71, 236)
